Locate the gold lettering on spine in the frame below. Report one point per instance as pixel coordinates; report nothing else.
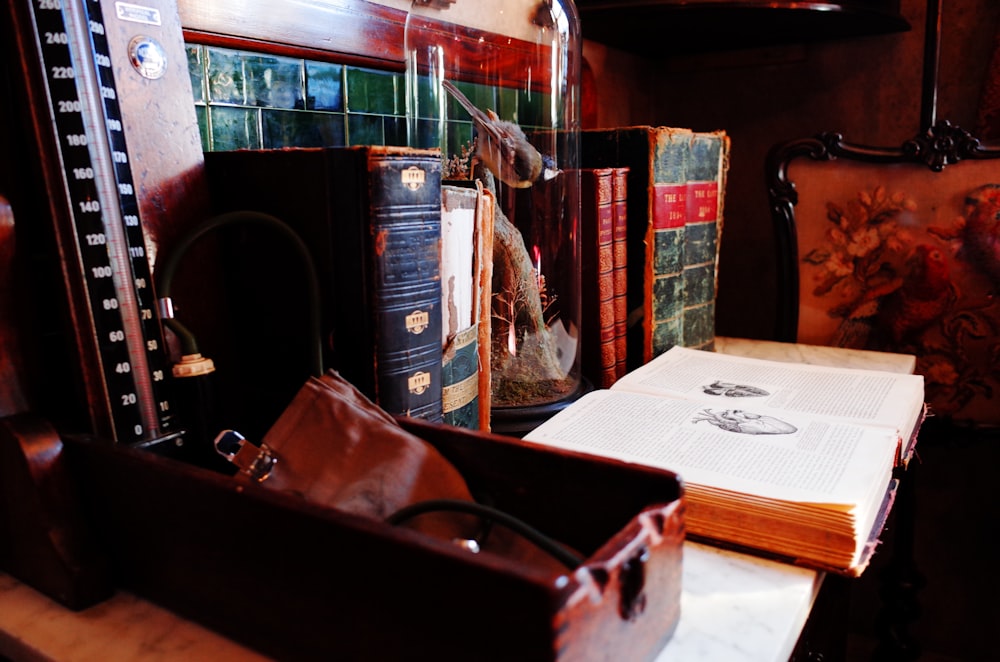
(413, 178)
(417, 321)
(458, 395)
(419, 382)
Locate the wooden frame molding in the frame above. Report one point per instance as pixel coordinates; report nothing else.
(346, 31)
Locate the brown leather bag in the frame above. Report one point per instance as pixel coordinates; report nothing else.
(334, 447)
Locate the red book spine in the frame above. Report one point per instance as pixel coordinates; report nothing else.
(619, 276)
(599, 355)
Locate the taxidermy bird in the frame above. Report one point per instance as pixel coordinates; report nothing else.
(503, 147)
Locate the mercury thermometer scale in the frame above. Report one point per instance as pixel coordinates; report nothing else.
(79, 79)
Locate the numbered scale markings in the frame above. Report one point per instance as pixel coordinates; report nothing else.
(78, 73)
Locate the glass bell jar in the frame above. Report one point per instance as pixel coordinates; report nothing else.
(496, 85)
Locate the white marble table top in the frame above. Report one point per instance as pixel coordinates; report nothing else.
(123, 628)
(734, 607)
(817, 354)
(739, 608)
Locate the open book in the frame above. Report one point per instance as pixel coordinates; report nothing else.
(793, 460)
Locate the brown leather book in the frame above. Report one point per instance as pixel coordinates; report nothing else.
(599, 357)
(619, 277)
(656, 208)
(707, 170)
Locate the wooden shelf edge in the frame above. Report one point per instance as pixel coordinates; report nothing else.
(350, 31)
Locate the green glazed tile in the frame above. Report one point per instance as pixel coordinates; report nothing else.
(206, 138)
(427, 102)
(454, 109)
(374, 99)
(365, 129)
(502, 101)
(226, 82)
(507, 103)
(482, 97)
(197, 73)
(371, 91)
(234, 128)
(282, 128)
(395, 130)
(331, 128)
(274, 82)
(459, 137)
(324, 86)
(533, 109)
(427, 134)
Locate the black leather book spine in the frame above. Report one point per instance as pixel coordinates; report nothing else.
(387, 220)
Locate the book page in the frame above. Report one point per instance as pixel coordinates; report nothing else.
(861, 396)
(458, 282)
(763, 452)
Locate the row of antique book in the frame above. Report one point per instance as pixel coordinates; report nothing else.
(803, 470)
(404, 258)
(652, 209)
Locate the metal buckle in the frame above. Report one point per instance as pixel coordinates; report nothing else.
(252, 460)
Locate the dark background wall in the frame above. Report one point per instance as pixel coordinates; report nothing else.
(868, 88)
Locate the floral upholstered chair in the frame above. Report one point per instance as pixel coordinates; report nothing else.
(896, 250)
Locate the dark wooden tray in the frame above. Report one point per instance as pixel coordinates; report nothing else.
(299, 581)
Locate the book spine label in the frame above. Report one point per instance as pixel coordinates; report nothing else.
(703, 204)
(405, 227)
(669, 206)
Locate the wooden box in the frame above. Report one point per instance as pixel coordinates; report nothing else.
(297, 581)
